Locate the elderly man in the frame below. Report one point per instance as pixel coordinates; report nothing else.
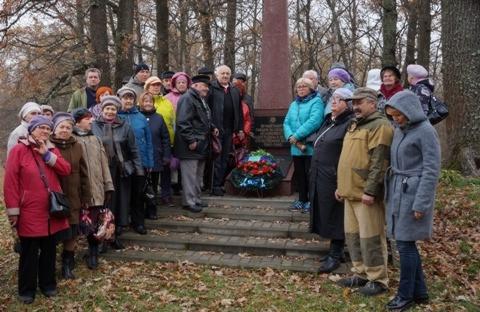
(86, 96)
(322, 91)
(140, 76)
(192, 140)
(224, 101)
(361, 170)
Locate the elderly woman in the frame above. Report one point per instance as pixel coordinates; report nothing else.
(160, 142)
(123, 159)
(96, 110)
(304, 117)
(27, 202)
(47, 111)
(410, 192)
(143, 140)
(421, 85)
(337, 78)
(101, 185)
(27, 112)
(390, 76)
(180, 83)
(165, 109)
(326, 216)
(76, 186)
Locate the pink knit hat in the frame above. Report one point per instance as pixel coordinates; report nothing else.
(418, 72)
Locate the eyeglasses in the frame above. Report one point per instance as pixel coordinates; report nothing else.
(301, 87)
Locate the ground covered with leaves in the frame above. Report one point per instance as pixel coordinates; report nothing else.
(451, 261)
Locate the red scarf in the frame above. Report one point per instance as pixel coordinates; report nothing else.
(390, 92)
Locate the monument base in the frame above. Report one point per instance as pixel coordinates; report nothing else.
(268, 135)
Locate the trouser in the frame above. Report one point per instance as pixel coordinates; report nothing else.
(336, 248)
(301, 164)
(366, 242)
(166, 182)
(192, 175)
(121, 199)
(137, 209)
(221, 162)
(412, 282)
(33, 265)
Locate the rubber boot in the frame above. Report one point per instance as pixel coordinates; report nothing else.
(92, 258)
(67, 259)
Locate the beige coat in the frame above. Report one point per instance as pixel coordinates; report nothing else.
(97, 164)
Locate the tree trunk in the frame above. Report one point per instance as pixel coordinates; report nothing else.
(124, 42)
(204, 18)
(411, 8)
(424, 31)
(162, 36)
(461, 82)
(138, 33)
(99, 39)
(338, 32)
(229, 52)
(389, 22)
(80, 27)
(183, 7)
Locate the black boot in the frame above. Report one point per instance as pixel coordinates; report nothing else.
(92, 258)
(67, 259)
(116, 244)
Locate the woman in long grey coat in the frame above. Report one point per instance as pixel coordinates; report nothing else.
(410, 192)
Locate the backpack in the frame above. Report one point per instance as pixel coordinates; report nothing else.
(437, 110)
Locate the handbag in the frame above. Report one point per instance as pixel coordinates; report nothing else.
(59, 205)
(149, 191)
(106, 225)
(216, 146)
(126, 166)
(437, 110)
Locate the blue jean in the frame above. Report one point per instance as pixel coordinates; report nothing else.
(412, 282)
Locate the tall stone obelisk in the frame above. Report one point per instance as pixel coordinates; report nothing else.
(275, 86)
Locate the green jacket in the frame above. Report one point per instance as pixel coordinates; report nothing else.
(79, 99)
(365, 157)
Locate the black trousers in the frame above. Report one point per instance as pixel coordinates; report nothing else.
(37, 260)
(137, 209)
(302, 172)
(221, 163)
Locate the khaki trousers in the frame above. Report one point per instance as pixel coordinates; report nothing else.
(365, 238)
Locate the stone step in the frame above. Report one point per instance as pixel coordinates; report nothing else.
(233, 227)
(278, 202)
(297, 264)
(258, 246)
(236, 213)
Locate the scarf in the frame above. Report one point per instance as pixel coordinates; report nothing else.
(390, 92)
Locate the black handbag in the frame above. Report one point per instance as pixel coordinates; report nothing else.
(149, 191)
(59, 204)
(437, 110)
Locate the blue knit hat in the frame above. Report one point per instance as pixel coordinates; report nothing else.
(37, 121)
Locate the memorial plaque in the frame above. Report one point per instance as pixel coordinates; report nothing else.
(269, 132)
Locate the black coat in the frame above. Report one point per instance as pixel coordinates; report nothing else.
(160, 139)
(326, 215)
(193, 124)
(216, 98)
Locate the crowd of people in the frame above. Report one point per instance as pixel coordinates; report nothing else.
(364, 158)
(366, 163)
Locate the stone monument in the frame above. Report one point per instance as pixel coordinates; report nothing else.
(275, 90)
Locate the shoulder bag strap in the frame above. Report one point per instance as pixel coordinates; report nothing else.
(42, 173)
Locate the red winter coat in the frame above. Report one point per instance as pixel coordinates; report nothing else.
(26, 195)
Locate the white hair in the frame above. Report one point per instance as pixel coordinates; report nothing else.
(310, 72)
(220, 68)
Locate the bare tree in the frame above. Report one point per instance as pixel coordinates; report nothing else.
(389, 22)
(424, 32)
(124, 41)
(162, 36)
(204, 19)
(461, 82)
(411, 9)
(229, 52)
(99, 39)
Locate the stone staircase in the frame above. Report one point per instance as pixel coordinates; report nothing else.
(232, 231)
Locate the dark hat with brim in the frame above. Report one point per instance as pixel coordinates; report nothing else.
(167, 74)
(205, 71)
(364, 93)
(201, 78)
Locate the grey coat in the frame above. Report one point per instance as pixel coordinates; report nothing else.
(413, 175)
